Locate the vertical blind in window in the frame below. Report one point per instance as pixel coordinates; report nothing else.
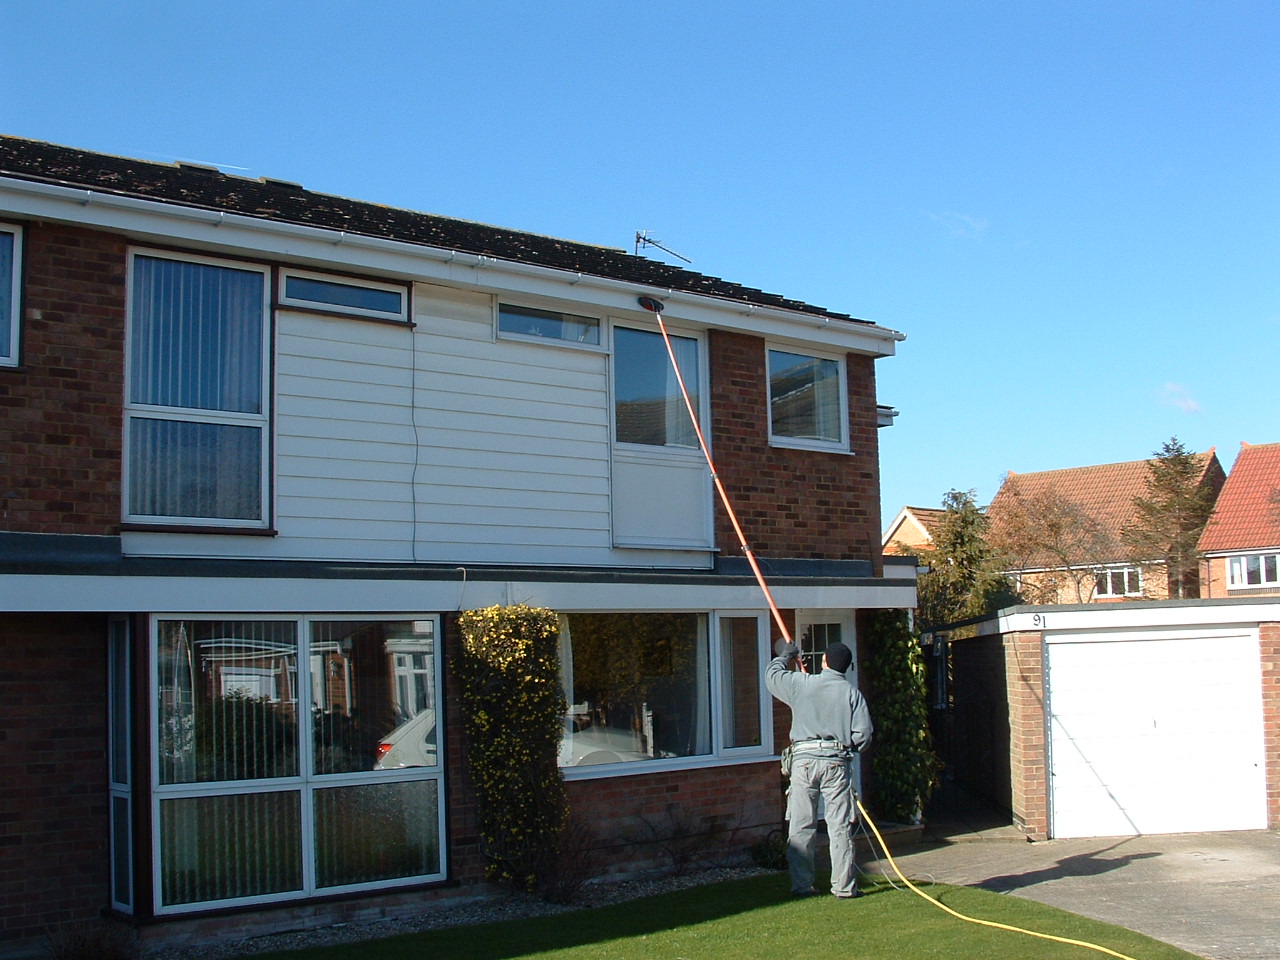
(179, 468)
(231, 846)
(227, 706)
(197, 336)
(7, 294)
(197, 391)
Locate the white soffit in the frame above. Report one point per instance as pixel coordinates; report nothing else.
(22, 593)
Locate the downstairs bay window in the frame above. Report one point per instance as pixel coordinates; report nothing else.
(645, 687)
(293, 757)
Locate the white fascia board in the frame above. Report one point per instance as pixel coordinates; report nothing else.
(1240, 552)
(156, 221)
(22, 593)
(1133, 616)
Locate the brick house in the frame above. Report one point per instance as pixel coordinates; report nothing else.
(1085, 559)
(259, 445)
(1241, 541)
(911, 531)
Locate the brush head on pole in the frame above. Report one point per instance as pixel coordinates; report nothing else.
(650, 304)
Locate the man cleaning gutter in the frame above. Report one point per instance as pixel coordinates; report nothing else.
(830, 724)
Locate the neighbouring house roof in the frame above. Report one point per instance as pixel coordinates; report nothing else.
(1105, 491)
(195, 185)
(912, 528)
(1246, 517)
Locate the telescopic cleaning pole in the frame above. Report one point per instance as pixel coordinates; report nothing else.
(655, 307)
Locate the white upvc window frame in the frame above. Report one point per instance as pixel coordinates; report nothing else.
(1268, 561)
(837, 445)
(1128, 571)
(703, 400)
(9, 350)
(261, 421)
(720, 753)
(306, 783)
(537, 305)
(283, 299)
(719, 726)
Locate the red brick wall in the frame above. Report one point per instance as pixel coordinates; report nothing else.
(635, 815)
(53, 777)
(1024, 673)
(792, 503)
(60, 412)
(1269, 644)
(466, 863)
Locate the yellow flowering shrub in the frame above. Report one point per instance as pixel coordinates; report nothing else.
(513, 712)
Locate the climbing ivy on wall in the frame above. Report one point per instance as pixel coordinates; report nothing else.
(904, 764)
(513, 712)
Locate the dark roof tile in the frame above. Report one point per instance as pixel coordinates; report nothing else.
(196, 185)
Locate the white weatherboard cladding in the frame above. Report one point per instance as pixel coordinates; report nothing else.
(515, 442)
(434, 443)
(1155, 731)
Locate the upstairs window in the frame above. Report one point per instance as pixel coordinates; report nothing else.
(360, 298)
(10, 272)
(647, 405)
(196, 412)
(1119, 582)
(807, 405)
(1257, 570)
(553, 325)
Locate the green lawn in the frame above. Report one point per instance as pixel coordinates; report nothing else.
(755, 919)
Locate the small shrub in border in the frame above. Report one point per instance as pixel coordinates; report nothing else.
(513, 713)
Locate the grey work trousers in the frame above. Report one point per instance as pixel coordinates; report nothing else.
(829, 777)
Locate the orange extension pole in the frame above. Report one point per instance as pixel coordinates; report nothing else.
(656, 308)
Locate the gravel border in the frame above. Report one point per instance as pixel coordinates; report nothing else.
(490, 909)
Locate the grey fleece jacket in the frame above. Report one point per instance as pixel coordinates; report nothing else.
(823, 705)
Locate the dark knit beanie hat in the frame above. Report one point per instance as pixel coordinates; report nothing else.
(839, 657)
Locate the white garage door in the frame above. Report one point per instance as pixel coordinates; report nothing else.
(1155, 732)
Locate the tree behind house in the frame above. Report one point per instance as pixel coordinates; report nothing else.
(1169, 519)
(1044, 530)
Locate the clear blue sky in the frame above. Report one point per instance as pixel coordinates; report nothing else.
(1071, 207)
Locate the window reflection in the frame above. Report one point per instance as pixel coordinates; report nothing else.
(227, 700)
(648, 406)
(371, 695)
(804, 397)
(637, 685)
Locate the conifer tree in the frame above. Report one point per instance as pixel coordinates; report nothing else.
(1170, 517)
(964, 578)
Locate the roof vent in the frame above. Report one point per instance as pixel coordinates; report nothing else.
(281, 184)
(201, 167)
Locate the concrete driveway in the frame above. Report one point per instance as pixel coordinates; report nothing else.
(1213, 894)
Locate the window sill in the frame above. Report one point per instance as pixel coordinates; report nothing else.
(198, 528)
(782, 443)
(633, 768)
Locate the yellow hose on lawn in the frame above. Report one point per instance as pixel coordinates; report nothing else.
(986, 923)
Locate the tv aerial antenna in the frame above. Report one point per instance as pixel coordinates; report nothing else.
(644, 240)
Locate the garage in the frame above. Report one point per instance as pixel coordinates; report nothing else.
(1156, 730)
